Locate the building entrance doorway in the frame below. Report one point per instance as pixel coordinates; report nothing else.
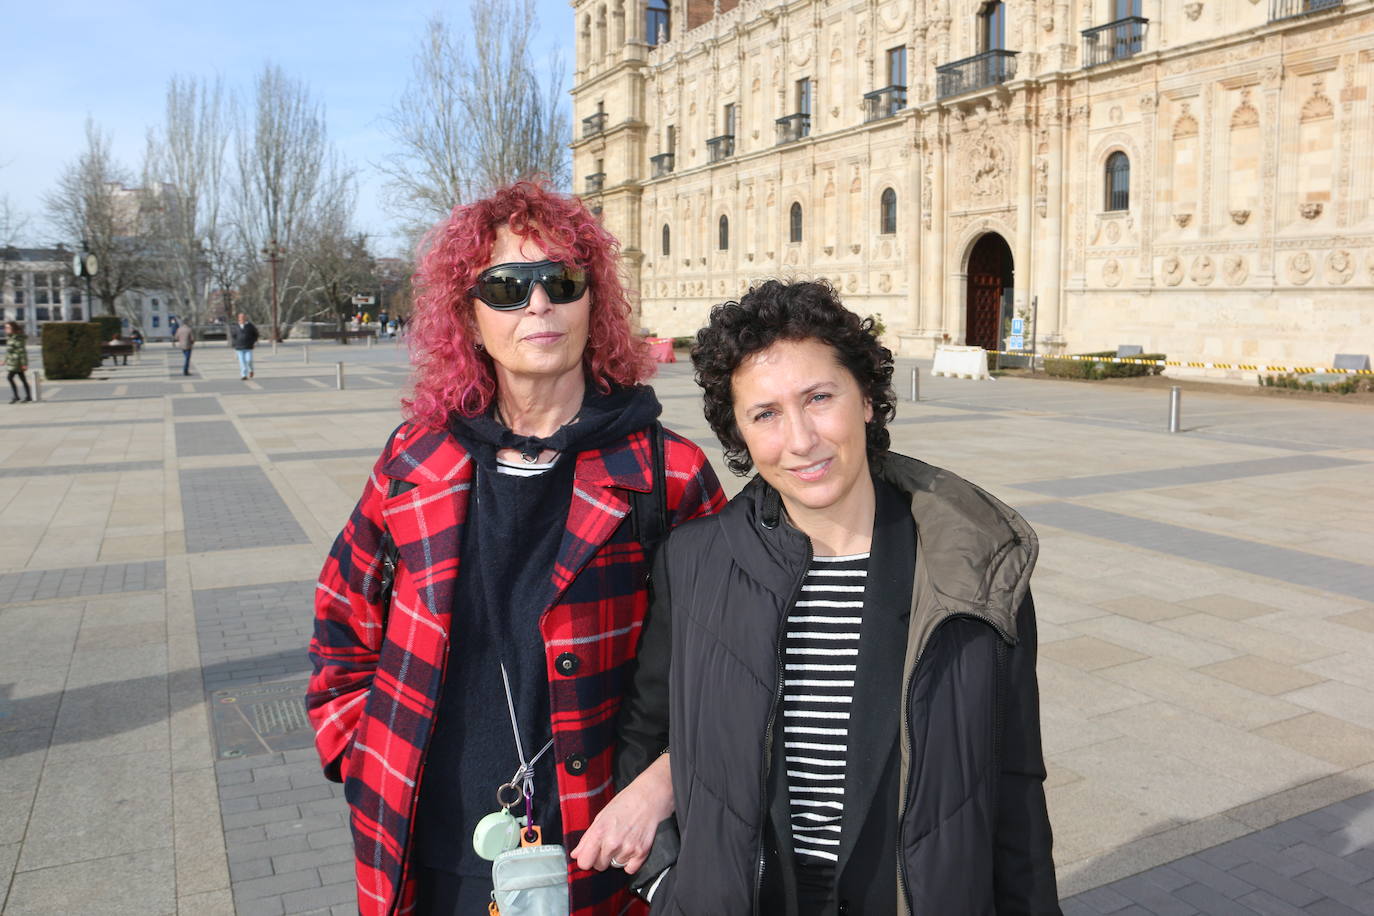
(990, 285)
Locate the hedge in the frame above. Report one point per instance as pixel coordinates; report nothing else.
(71, 349)
(1087, 368)
(110, 325)
(1346, 385)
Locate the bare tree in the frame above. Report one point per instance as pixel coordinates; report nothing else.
(185, 163)
(93, 203)
(337, 264)
(286, 172)
(476, 114)
(12, 226)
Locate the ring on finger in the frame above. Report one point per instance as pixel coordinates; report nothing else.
(615, 863)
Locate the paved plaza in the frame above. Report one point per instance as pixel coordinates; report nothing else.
(1205, 604)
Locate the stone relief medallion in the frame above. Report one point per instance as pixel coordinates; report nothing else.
(1111, 273)
(1173, 271)
(1310, 211)
(884, 283)
(1113, 231)
(792, 257)
(1240, 216)
(1236, 269)
(893, 16)
(886, 250)
(1183, 219)
(1300, 268)
(729, 78)
(1340, 267)
(852, 283)
(1204, 271)
(800, 51)
(670, 103)
(1115, 114)
(1192, 11)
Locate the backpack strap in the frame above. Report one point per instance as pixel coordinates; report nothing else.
(649, 511)
(391, 554)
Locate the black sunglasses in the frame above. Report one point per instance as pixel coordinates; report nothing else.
(507, 287)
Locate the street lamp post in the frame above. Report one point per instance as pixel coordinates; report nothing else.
(273, 253)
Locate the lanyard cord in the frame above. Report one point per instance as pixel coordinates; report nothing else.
(524, 776)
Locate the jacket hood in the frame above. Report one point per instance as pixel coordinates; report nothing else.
(975, 553)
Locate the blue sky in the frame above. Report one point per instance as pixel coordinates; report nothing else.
(66, 60)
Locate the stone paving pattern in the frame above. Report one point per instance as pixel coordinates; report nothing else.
(1204, 605)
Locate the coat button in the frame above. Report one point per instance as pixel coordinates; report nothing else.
(567, 664)
(575, 764)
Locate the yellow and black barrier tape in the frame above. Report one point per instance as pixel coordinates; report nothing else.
(1193, 364)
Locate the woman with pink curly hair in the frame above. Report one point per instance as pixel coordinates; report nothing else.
(479, 615)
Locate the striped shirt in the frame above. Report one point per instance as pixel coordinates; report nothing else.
(820, 652)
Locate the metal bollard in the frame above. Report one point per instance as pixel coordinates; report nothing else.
(274, 348)
(307, 354)
(1175, 408)
(915, 383)
(37, 385)
(371, 339)
(339, 376)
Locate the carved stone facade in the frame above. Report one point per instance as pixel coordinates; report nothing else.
(1246, 235)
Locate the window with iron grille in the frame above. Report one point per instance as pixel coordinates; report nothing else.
(992, 26)
(794, 223)
(1118, 182)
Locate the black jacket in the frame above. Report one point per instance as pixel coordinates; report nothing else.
(945, 807)
(246, 337)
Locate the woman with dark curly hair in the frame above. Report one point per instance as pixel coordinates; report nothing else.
(843, 660)
(477, 616)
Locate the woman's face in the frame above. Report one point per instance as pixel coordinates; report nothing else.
(801, 415)
(540, 341)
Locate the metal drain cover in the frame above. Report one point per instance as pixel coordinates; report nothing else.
(261, 719)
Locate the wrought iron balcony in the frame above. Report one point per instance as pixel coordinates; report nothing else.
(1289, 9)
(1114, 41)
(976, 72)
(793, 127)
(722, 147)
(593, 125)
(884, 103)
(596, 182)
(662, 164)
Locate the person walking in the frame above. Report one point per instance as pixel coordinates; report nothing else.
(17, 360)
(245, 339)
(184, 340)
(843, 659)
(523, 495)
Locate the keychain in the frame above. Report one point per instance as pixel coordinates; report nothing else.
(499, 831)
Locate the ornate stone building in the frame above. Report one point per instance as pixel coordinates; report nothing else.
(1193, 177)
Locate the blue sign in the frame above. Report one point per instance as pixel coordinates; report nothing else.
(1018, 326)
(1016, 342)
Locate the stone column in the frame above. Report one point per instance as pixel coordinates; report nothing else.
(1025, 169)
(933, 263)
(1052, 263)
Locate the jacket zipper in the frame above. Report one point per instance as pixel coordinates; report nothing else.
(768, 731)
(906, 739)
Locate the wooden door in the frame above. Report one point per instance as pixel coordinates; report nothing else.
(989, 274)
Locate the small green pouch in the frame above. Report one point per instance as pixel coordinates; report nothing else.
(531, 881)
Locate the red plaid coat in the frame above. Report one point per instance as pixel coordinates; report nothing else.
(377, 675)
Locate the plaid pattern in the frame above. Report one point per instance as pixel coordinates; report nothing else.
(377, 675)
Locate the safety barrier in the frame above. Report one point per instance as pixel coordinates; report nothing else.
(1248, 367)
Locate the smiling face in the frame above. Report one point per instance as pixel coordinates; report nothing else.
(801, 415)
(541, 341)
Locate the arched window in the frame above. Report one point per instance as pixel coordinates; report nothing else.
(667, 240)
(887, 217)
(724, 242)
(1118, 185)
(794, 223)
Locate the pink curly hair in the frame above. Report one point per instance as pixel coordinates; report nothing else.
(450, 374)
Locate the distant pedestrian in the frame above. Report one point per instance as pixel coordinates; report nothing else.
(137, 337)
(245, 339)
(184, 340)
(17, 360)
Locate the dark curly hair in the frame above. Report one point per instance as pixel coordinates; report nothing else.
(809, 310)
